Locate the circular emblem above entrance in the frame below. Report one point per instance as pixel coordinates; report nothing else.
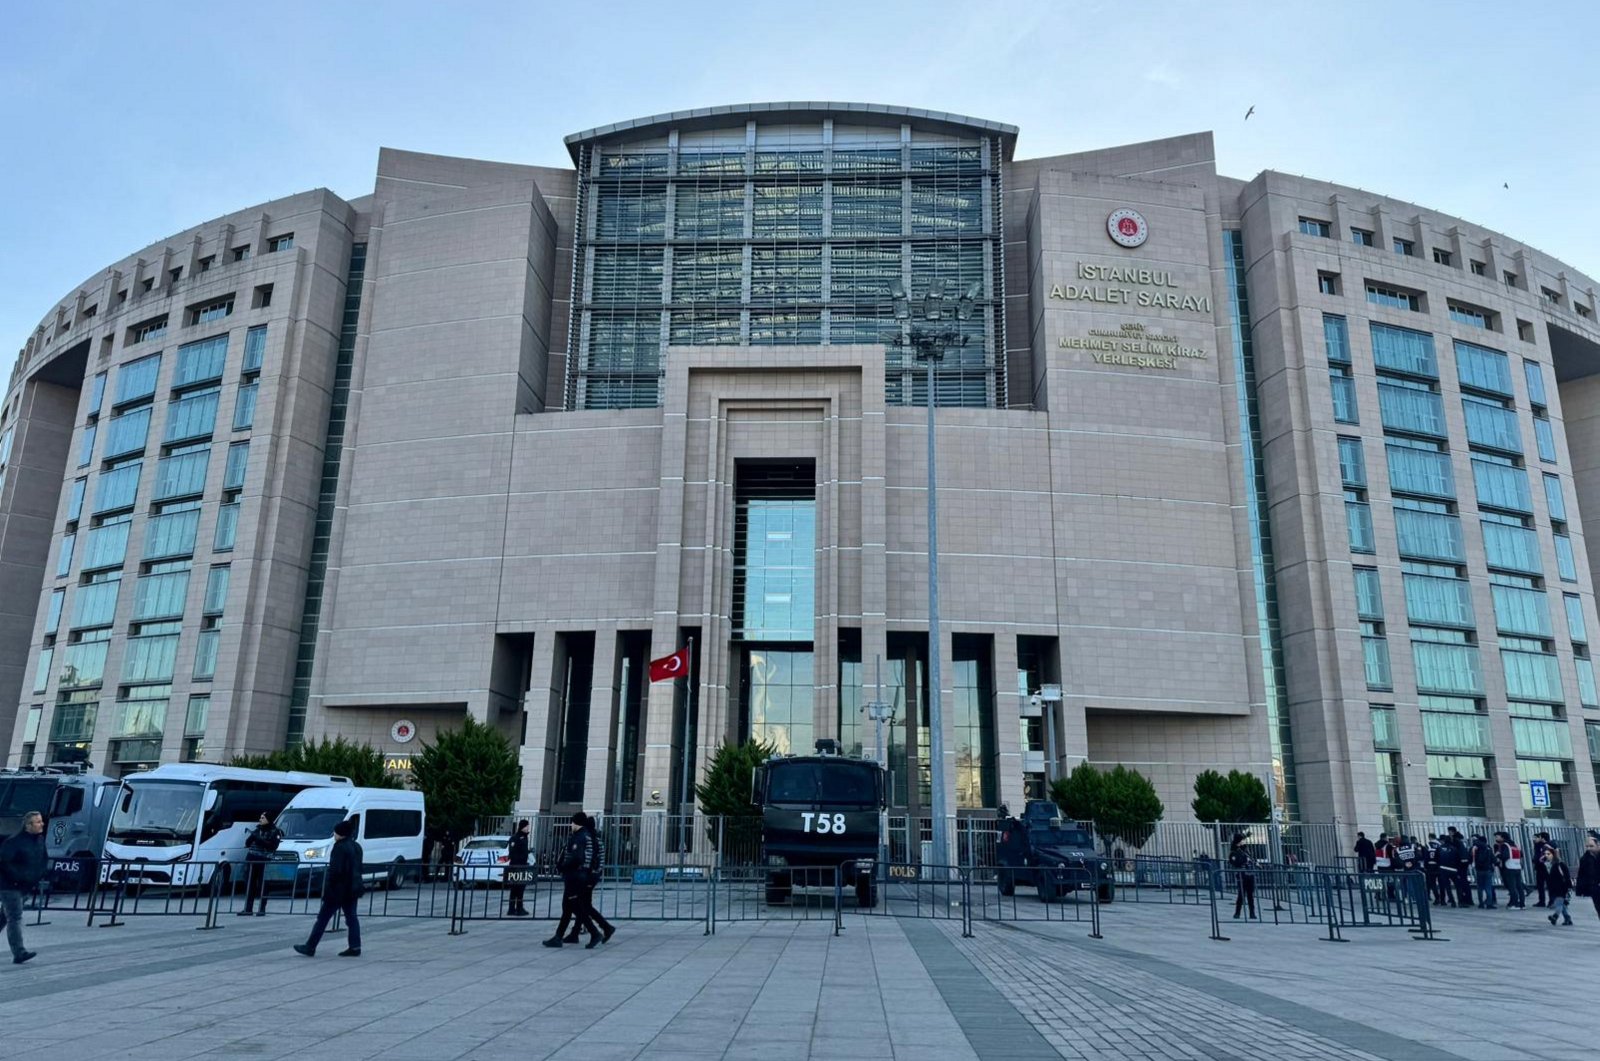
(402, 731)
(1127, 227)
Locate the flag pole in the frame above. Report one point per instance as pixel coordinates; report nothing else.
(688, 709)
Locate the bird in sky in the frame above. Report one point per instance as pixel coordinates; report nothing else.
(1507, 186)
(1249, 112)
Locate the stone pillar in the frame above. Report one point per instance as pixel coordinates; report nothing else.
(1008, 728)
(601, 756)
(538, 751)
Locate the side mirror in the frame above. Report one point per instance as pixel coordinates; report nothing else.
(211, 799)
(758, 786)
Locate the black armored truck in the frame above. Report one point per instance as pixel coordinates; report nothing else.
(819, 813)
(1052, 855)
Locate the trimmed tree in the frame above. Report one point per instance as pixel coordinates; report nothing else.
(725, 794)
(1079, 793)
(361, 763)
(1129, 808)
(1234, 797)
(1122, 803)
(466, 774)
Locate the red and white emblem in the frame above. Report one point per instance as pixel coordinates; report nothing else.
(1127, 227)
(402, 732)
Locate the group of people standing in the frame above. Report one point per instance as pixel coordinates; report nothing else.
(1453, 863)
(582, 867)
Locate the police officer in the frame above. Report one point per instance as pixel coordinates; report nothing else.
(1450, 870)
(258, 848)
(1430, 869)
(1240, 862)
(517, 858)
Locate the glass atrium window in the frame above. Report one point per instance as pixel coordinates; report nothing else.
(794, 239)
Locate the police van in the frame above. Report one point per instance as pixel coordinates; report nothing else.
(389, 826)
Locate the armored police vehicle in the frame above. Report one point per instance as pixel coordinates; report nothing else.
(75, 830)
(1052, 855)
(819, 813)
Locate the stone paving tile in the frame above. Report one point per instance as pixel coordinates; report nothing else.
(1156, 986)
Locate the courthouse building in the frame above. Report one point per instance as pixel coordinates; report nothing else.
(1268, 474)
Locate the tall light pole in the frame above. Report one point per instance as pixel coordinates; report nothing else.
(880, 711)
(930, 336)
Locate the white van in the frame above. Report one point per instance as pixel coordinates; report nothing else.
(389, 827)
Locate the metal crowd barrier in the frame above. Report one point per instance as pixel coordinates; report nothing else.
(906, 889)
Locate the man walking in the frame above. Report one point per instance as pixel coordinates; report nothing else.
(22, 863)
(596, 874)
(575, 862)
(1589, 871)
(518, 860)
(258, 848)
(341, 890)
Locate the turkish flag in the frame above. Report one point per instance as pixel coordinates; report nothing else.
(669, 667)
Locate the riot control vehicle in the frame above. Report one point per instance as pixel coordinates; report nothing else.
(75, 829)
(1051, 855)
(819, 813)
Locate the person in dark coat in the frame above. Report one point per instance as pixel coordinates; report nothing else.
(258, 848)
(575, 864)
(1366, 853)
(1451, 871)
(1541, 869)
(1558, 879)
(341, 890)
(22, 865)
(592, 881)
(1463, 878)
(1483, 870)
(1239, 861)
(1589, 871)
(518, 859)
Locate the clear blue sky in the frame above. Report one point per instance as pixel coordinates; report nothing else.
(123, 123)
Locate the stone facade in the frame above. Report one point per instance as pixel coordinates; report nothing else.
(479, 546)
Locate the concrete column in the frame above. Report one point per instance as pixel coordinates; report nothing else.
(1008, 728)
(537, 753)
(601, 756)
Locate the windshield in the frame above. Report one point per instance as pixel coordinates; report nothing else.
(841, 783)
(164, 810)
(1062, 838)
(309, 823)
(486, 843)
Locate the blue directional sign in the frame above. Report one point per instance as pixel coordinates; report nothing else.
(1541, 793)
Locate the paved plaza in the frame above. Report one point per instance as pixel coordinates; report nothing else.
(1504, 985)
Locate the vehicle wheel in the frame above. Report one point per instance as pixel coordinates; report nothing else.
(1107, 894)
(397, 875)
(1047, 890)
(227, 879)
(779, 889)
(866, 894)
(1006, 883)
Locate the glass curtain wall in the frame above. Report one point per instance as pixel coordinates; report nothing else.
(781, 235)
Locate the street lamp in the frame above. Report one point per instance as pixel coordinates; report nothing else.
(930, 337)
